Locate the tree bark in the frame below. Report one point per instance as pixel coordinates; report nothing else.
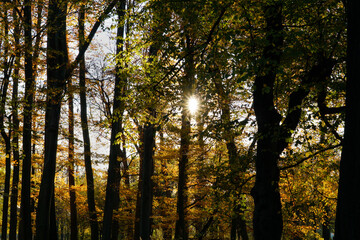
(6, 192)
(164, 192)
(348, 206)
(181, 227)
(267, 214)
(149, 132)
(15, 140)
(112, 201)
(25, 225)
(147, 183)
(138, 194)
(7, 66)
(71, 167)
(274, 130)
(57, 60)
(86, 136)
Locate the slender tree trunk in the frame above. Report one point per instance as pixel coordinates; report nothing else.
(57, 60)
(138, 195)
(6, 192)
(140, 183)
(326, 233)
(15, 141)
(86, 136)
(73, 209)
(25, 229)
(348, 206)
(181, 227)
(164, 192)
(7, 66)
(200, 177)
(148, 143)
(238, 224)
(112, 201)
(147, 183)
(147, 172)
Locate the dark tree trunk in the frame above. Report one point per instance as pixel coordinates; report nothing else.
(147, 183)
(15, 140)
(272, 136)
(25, 225)
(73, 209)
(326, 233)
(181, 227)
(112, 200)
(7, 66)
(6, 192)
(138, 194)
(267, 214)
(200, 177)
(57, 60)
(86, 136)
(348, 207)
(149, 132)
(164, 192)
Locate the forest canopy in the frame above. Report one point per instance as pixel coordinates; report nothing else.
(156, 119)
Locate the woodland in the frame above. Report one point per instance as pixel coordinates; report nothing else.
(164, 119)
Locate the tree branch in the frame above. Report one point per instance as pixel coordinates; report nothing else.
(311, 156)
(94, 29)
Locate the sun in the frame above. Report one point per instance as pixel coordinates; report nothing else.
(193, 105)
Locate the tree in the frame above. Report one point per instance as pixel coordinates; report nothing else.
(274, 130)
(110, 221)
(348, 206)
(269, 75)
(149, 132)
(71, 165)
(58, 72)
(25, 230)
(7, 66)
(181, 229)
(16, 133)
(85, 131)
(57, 60)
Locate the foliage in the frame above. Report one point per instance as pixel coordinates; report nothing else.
(225, 40)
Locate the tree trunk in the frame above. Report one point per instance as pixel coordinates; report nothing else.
(181, 227)
(348, 206)
(326, 233)
(267, 213)
(198, 222)
(86, 136)
(57, 60)
(273, 136)
(147, 183)
(138, 194)
(6, 192)
(7, 66)
(238, 224)
(112, 201)
(71, 168)
(25, 225)
(15, 140)
(149, 132)
(164, 192)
